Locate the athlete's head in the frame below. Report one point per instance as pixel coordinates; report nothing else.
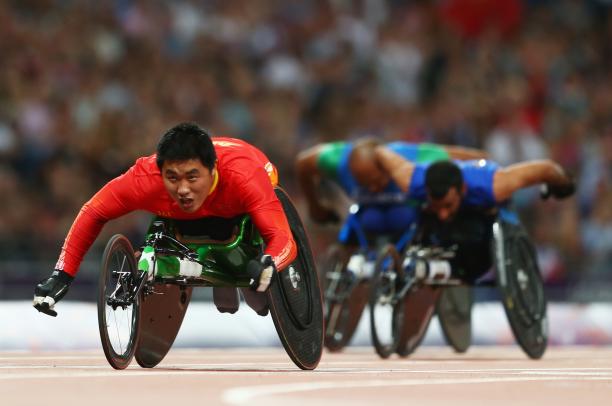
(445, 189)
(365, 167)
(187, 161)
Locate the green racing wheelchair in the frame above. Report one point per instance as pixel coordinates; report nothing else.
(141, 304)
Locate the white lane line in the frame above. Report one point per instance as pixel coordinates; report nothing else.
(49, 372)
(245, 394)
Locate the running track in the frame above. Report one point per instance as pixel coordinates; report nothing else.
(432, 376)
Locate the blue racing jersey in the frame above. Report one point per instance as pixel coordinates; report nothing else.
(477, 176)
(333, 161)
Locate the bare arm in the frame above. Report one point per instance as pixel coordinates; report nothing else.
(396, 166)
(465, 154)
(514, 177)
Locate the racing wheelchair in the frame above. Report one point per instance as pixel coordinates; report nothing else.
(346, 274)
(346, 280)
(141, 305)
(406, 289)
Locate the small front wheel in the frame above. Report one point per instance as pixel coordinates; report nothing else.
(345, 298)
(385, 308)
(118, 307)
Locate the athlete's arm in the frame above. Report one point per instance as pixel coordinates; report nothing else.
(396, 166)
(266, 211)
(112, 201)
(309, 177)
(508, 180)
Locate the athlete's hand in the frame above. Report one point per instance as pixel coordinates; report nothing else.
(559, 191)
(261, 273)
(50, 291)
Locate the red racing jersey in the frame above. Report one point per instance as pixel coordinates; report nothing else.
(245, 186)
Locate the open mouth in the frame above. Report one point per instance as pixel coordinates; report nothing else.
(186, 203)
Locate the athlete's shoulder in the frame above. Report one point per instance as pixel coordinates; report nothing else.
(396, 146)
(145, 166)
(228, 142)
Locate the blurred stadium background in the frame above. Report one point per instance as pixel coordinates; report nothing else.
(87, 86)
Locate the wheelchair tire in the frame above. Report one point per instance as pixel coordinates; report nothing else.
(344, 300)
(522, 290)
(414, 314)
(454, 310)
(295, 298)
(119, 326)
(385, 308)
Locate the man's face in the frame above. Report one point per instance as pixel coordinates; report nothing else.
(370, 176)
(446, 207)
(188, 182)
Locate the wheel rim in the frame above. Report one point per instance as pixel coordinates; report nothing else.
(529, 293)
(383, 304)
(118, 323)
(295, 284)
(336, 283)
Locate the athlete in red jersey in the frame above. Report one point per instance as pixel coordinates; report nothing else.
(190, 177)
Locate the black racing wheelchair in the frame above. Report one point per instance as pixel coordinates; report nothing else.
(436, 272)
(141, 305)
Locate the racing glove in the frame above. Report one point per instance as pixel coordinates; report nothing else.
(261, 273)
(50, 291)
(558, 191)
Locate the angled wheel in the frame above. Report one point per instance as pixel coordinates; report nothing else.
(385, 308)
(118, 316)
(454, 309)
(344, 299)
(520, 283)
(161, 314)
(295, 298)
(415, 312)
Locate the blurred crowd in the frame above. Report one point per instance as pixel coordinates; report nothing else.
(87, 86)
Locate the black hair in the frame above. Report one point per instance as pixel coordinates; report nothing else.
(186, 141)
(440, 177)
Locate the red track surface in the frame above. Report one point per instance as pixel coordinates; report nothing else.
(432, 376)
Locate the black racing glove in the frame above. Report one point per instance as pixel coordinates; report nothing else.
(558, 191)
(261, 273)
(50, 291)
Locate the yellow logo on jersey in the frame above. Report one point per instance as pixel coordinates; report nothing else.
(272, 173)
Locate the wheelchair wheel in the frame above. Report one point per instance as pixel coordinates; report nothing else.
(415, 311)
(344, 300)
(161, 317)
(385, 308)
(520, 282)
(454, 310)
(295, 298)
(118, 318)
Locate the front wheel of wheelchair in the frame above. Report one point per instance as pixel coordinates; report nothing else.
(386, 310)
(344, 299)
(118, 317)
(295, 298)
(521, 286)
